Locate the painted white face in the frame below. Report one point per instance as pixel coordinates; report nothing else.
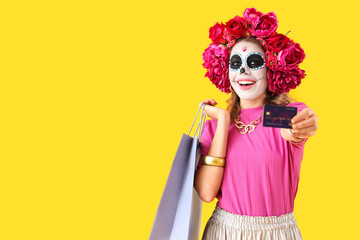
(247, 66)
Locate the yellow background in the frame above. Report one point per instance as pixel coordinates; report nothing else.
(95, 96)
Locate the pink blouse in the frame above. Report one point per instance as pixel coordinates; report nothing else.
(262, 169)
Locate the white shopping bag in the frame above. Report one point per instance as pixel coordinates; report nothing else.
(179, 213)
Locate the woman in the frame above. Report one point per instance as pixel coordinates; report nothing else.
(252, 170)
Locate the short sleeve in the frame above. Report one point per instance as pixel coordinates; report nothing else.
(207, 136)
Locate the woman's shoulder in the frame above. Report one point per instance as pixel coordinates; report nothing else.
(210, 126)
(208, 130)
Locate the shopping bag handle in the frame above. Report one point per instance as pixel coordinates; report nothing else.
(201, 122)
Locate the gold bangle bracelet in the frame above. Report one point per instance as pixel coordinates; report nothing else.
(213, 161)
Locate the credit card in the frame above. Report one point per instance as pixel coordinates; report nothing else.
(278, 116)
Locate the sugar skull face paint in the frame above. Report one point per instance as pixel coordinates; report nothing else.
(247, 71)
(253, 61)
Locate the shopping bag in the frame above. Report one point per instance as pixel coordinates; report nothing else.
(178, 216)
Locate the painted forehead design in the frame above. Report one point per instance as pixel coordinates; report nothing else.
(241, 54)
(253, 61)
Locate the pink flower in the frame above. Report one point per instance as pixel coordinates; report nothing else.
(281, 80)
(266, 25)
(216, 61)
(292, 55)
(236, 27)
(216, 33)
(252, 16)
(277, 42)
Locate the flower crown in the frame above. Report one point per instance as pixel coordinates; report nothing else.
(282, 55)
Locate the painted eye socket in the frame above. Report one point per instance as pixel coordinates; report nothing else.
(255, 61)
(235, 62)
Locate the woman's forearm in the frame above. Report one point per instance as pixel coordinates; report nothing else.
(208, 178)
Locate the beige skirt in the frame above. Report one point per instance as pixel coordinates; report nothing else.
(229, 226)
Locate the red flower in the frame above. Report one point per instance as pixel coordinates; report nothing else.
(236, 27)
(281, 80)
(277, 42)
(292, 55)
(229, 38)
(216, 33)
(271, 59)
(266, 25)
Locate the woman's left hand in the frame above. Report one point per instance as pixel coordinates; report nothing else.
(304, 124)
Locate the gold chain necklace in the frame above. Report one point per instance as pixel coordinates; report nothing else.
(247, 128)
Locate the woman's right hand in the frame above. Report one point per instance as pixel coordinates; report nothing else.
(214, 112)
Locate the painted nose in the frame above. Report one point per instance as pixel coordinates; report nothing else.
(242, 69)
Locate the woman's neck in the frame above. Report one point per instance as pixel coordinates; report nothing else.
(259, 101)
